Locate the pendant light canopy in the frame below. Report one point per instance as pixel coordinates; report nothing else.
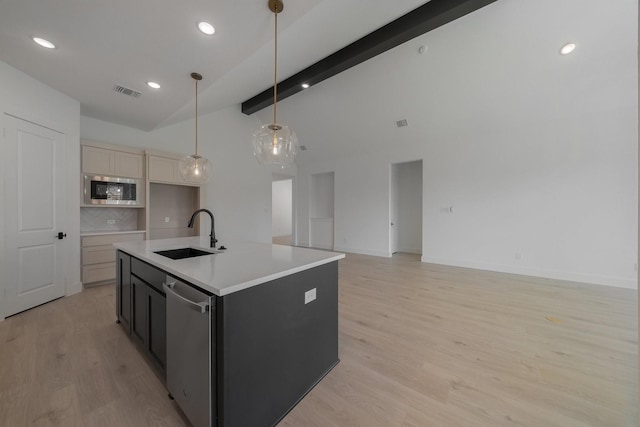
(195, 168)
(275, 144)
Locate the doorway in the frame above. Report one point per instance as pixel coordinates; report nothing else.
(282, 210)
(321, 210)
(405, 207)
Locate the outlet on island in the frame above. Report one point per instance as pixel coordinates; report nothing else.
(310, 296)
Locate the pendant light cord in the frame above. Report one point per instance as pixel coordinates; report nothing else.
(275, 69)
(196, 117)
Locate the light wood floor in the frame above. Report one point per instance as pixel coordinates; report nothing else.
(420, 345)
(282, 240)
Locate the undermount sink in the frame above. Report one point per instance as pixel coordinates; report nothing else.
(182, 253)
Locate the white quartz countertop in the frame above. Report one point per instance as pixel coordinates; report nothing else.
(241, 266)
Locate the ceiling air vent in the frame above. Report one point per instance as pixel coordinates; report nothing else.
(126, 91)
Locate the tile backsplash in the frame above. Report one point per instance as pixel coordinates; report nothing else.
(170, 207)
(108, 219)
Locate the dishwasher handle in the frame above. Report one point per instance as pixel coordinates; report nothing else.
(201, 307)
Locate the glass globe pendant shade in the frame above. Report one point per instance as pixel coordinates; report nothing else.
(194, 168)
(275, 145)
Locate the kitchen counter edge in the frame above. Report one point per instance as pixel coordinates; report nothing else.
(145, 251)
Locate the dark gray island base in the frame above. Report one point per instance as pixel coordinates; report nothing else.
(269, 347)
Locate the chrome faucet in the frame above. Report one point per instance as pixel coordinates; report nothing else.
(212, 236)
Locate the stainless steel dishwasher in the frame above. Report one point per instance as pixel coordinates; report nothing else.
(189, 351)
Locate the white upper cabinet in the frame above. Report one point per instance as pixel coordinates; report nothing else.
(166, 169)
(129, 164)
(163, 169)
(97, 160)
(103, 161)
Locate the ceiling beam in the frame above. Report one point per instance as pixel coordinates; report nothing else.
(425, 18)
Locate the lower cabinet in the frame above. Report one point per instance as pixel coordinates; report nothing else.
(98, 255)
(157, 333)
(149, 328)
(142, 307)
(123, 290)
(140, 326)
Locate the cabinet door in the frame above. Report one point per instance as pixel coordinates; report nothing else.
(163, 169)
(97, 160)
(157, 345)
(128, 165)
(123, 290)
(139, 328)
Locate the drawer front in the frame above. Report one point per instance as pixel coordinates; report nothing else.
(99, 272)
(151, 275)
(108, 239)
(98, 254)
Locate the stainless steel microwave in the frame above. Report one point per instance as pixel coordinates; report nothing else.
(106, 190)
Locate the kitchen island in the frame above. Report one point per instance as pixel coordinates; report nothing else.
(271, 317)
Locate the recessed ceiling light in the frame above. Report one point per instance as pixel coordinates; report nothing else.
(206, 28)
(567, 48)
(305, 85)
(153, 85)
(44, 43)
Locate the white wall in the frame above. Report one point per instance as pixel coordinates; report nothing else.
(361, 203)
(536, 152)
(281, 207)
(24, 97)
(239, 189)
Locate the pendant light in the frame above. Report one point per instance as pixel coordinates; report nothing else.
(195, 168)
(275, 144)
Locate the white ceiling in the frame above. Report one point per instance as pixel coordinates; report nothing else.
(122, 42)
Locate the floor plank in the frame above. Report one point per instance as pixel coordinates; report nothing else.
(282, 240)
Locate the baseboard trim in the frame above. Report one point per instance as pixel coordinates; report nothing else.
(73, 289)
(618, 282)
(361, 251)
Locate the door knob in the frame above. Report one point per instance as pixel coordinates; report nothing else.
(392, 224)
(61, 235)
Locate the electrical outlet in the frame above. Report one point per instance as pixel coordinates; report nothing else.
(166, 219)
(310, 296)
(111, 221)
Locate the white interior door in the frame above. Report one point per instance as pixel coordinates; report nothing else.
(34, 164)
(322, 211)
(394, 238)
(282, 210)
